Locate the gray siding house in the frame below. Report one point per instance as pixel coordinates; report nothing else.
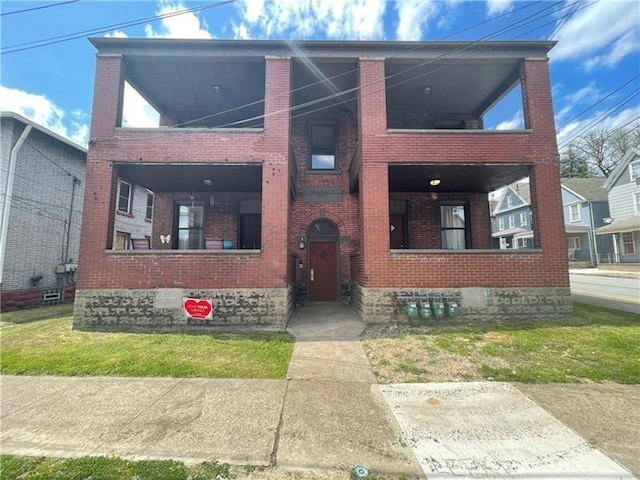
(623, 222)
(512, 218)
(41, 193)
(585, 206)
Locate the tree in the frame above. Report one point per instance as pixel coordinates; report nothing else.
(602, 149)
(573, 165)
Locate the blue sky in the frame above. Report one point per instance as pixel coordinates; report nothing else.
(594, 67)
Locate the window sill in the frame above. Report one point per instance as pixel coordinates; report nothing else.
(124, 214)
(468, 251)
(310, 171)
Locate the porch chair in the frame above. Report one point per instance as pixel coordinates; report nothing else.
(213, 243)
(141, 243)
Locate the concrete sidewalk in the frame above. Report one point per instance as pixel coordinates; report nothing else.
(325, 418)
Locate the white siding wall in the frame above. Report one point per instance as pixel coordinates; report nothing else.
(621, 200)
(136, 225)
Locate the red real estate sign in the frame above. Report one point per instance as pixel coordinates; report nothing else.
(198, 308)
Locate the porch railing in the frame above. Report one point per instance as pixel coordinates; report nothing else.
(619, 258)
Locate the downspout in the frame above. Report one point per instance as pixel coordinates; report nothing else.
(593, 240)
(73, 195)
(8, 194)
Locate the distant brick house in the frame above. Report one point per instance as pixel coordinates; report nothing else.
(41, 196)
(327, 167)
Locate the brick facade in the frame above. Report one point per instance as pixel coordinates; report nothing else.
(291, 204)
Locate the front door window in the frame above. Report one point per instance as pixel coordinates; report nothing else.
(190, 226)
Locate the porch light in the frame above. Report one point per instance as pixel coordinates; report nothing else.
(208, 182)
(426, 90)
(434, 182)
(216, 88)
(302, 241)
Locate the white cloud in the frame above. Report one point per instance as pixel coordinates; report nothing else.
(136, 111)
(116, 34)
(601, 34)
(41, 110)
(514, 123)
(585, 95)
(496, 7)
(241, 31)
(337, 19)
(184, 25)
(414, 16)
(609, 122)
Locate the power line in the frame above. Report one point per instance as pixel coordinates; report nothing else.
(42, 7)
(74, 36)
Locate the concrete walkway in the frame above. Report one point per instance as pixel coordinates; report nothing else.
(328, 416)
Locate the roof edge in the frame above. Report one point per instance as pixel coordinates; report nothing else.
(46, 131)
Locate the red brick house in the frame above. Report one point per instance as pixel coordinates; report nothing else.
(328, 166)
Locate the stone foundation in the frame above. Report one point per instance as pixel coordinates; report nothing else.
(160, 310)
(374, 305)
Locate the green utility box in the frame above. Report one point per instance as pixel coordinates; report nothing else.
(452, 308)
(411, 307)
(424, 309)
(437, 308)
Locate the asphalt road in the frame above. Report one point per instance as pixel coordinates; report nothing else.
(621, 293)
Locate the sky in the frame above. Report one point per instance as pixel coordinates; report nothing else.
(47, 64)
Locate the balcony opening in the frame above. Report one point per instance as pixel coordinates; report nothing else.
(195, 92)
(195, 207)
(444, 206)
(507, 112)
(445, 94)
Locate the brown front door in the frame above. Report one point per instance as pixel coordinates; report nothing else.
(323, 273)
(397, 231)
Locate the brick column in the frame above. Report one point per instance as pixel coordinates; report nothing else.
(275, 172)
(374, 173)
(546, 197)
(108, 96)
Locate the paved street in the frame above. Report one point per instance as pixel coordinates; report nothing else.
(606, 289)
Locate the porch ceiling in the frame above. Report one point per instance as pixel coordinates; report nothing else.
(190, 178)
(451, 87)
(183, 87)
(479, 178)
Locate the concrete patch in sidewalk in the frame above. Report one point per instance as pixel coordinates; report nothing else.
(491, 430)
(332, 425)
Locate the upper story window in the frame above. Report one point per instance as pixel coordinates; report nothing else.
(149, 210)
(501, 223)
(125, 195)
(323, 146)
(509, 202)
(574, 212)
(636, 202)
(512, 221)
(523, 219)
(634, 170)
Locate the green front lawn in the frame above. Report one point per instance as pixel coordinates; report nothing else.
(51, 347)
(106, 468)
(596, 344)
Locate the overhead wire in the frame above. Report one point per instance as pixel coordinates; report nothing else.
(41, 7)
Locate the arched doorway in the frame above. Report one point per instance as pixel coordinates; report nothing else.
(324, 257)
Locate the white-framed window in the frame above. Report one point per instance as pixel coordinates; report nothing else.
(636, 202)
(523, 243)
(627, 243)
(149, 210)
(504, 243)
(453, 227)
(501, 223)
(509, 201)
(125, 196)
(634, 170)
(512, 221)
(574, 243)
(574, 212)
(123, 241)
(523, 219)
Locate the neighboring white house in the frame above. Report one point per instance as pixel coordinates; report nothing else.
(623, 187)
(41, 198)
